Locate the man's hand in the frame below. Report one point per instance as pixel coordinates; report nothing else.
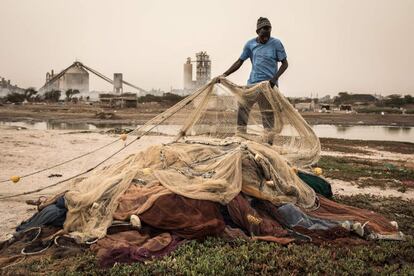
(281, 70)
(218, 79)
(272, 83)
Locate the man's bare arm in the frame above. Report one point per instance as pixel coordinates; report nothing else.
(233, 68)
(279, 72)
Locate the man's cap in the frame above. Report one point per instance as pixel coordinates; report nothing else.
(263, 22)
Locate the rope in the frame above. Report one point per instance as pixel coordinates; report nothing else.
(70, 178)
(112, 155)
(64, 162)
(183, 102)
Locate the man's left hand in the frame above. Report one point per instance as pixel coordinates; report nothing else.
(272, 83)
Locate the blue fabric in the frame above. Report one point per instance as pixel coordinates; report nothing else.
(54, 215)
(292, 216)
(264, 58)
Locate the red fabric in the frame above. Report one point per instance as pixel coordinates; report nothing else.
(185, 217)
(240, 209)
(332, 210)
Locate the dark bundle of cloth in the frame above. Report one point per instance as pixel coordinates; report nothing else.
(173, 219)
(51, 215)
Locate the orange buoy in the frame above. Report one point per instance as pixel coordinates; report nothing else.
(15, 178)
(123, 136)
(317, 171)
(147, 171)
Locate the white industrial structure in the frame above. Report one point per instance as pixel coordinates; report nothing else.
(202, 70)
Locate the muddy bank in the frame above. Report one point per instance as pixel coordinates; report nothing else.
(81, 113)
(358, 119)
(365, 146)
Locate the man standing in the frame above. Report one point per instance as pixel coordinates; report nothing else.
(264, 52)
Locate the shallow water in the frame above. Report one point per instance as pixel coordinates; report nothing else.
(381, 133)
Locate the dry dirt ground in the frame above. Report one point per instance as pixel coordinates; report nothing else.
(25, 150)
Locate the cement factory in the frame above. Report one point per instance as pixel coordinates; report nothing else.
(203, 71)
(77, 75)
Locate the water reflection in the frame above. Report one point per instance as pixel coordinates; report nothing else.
(340, 128)
(51, 125)
(392, 129)
(382, 133)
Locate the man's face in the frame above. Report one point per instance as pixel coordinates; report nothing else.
(264, 34)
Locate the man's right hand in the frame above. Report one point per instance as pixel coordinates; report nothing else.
(222, 76)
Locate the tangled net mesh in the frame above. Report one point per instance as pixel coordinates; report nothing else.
(256, 112)
(225, 139)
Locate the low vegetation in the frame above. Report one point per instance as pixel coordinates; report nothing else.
(220, 257)
(367, 172)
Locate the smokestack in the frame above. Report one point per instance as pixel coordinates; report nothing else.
(188, 74)
(118, 83)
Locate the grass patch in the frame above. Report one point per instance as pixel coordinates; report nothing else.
(388, 110)
(393, 208)
(338, 145)
(216, 256)
(354, 146)
(365, 172)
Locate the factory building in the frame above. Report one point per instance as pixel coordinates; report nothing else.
(202, 71)
(75, 77)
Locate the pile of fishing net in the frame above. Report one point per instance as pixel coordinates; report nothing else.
(233, 167)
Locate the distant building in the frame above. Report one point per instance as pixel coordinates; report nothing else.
(203, 71)
(305, 106)
(326, 108)
(6, 87)
(345, 107)
(75, 77)
(110, 100)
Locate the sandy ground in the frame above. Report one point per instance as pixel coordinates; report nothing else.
(408, 159)
(346, 188)
(27, 150)
(24, 151)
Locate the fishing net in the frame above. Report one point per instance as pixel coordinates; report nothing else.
(224, 139)
(256, 112)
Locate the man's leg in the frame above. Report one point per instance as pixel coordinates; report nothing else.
(266, 110)
(243, 113)
(268, 119)
(242, 118)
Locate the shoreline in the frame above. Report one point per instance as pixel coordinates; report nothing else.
(80, 113)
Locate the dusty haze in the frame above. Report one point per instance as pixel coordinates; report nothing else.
(332, 45)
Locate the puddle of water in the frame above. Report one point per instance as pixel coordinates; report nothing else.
(381, 133)
(51, 125)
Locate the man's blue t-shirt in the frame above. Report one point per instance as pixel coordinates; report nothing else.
(264, 58)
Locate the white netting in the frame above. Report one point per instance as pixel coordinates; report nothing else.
(256, 112)
(219, 151)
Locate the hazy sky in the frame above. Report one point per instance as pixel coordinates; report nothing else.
(332, 45)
